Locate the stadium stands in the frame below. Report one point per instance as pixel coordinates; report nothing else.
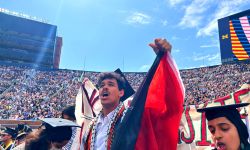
(28, 94)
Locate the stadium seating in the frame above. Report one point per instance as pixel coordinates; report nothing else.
(29, 94)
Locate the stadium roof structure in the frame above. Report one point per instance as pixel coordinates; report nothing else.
(22, 15)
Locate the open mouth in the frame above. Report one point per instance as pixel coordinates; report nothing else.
(105, 94)
(221, 146)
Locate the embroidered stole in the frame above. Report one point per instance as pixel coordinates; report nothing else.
(89, 141)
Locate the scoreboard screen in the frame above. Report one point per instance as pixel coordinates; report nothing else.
(234, 34)
(26, 41)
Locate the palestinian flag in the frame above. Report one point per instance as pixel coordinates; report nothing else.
(152, 120)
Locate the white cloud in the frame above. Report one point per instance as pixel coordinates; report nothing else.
(194, 13)
(208, 57)
(209, 46)
(209, 29)
(144, 68)
(175, 37)
(176, 50)
(164, 22)
(199, 57)
(175, 2)
(203, 14)
(225, 8)
(214, 57)
(138, 18)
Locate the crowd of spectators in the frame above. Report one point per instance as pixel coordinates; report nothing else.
(209, 83)
(27, 93)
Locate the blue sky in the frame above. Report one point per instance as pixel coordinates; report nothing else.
(102, 35)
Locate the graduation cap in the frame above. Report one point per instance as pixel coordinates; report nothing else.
(232, 114)
(58, 129)
(9, 131)
(221, 111)
(59, 122)
(22, 130)
(128, 90)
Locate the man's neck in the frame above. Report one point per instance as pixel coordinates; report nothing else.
(108, 109)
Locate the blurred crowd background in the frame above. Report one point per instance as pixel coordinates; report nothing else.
(29, 94)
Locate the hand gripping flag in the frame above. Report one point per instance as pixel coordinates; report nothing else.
(152, 120)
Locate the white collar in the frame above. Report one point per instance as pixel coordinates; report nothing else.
(109, 117)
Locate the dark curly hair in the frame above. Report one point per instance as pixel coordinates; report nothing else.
(69, 111)
(42, 139)
(112, 75)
